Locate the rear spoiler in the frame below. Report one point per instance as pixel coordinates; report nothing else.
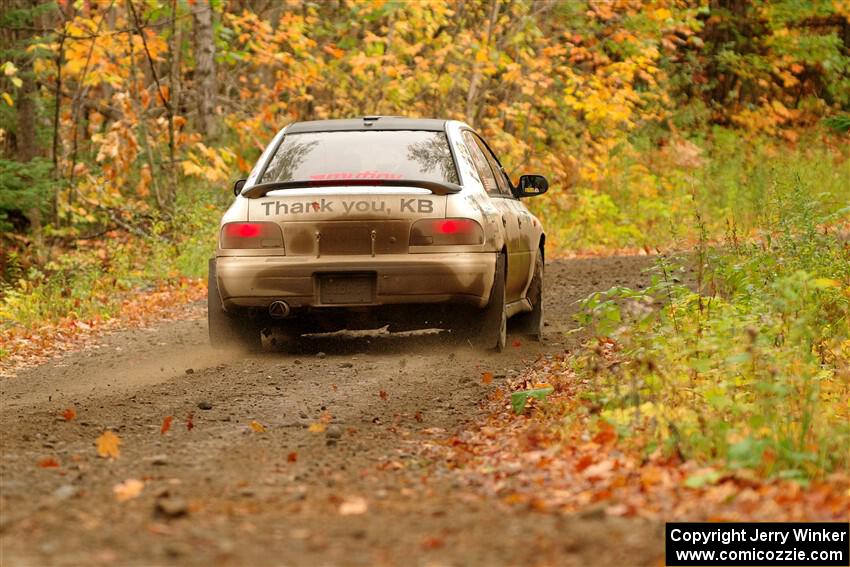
(436, 187)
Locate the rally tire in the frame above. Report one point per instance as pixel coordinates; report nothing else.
(493, 330)
(225, 329)
(530, 323)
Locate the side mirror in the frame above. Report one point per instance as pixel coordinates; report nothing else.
(531, 186)
(237, 187)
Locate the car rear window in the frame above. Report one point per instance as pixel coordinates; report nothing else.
(382, 154)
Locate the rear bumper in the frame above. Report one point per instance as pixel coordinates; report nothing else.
(256, 281)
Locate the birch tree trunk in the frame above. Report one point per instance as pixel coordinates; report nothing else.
(205, 80)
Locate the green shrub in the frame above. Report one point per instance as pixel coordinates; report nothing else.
(23, 186)
(744, 360)
(89, 282)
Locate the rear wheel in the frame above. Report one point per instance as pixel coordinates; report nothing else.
(493, 330)
(530, 323)
(226, 329)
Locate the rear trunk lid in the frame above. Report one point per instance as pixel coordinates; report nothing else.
(346, 221)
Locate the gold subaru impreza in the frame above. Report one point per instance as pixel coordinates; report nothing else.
(376, 221)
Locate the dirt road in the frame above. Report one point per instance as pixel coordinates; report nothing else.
(357, 493)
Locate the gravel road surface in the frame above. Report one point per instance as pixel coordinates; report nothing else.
(216, 491)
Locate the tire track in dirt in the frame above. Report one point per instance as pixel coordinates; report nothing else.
(241, 498)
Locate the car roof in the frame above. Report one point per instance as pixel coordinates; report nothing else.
(368, 123)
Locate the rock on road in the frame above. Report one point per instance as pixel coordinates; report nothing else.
(215, 490)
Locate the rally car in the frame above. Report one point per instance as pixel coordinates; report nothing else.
(361, 223)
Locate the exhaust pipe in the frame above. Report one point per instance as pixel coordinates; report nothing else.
(279, 309)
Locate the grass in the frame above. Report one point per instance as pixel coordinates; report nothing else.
(655, 188)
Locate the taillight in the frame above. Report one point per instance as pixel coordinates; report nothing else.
(440, 232)
(251, 235)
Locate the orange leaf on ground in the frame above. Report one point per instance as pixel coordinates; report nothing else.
(128, 489)
(108, 445)
(258, 427)
(190, 424)
(651, 475)
(606, 434)
(48, 463)
(601, 470)
(166, 425)
(292, 457)
(383, 395)
(487, 378)
(517, 343)
(584, 462)
(317, 427)
(353, 506)
(69, 414)
(432, 543)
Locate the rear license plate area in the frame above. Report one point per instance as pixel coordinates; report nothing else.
(341, 289)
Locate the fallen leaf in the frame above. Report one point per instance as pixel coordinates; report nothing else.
(517, 343)
(584, 462)
(432, 543)
(166, 425)
(650, 475)
(158, 529)
(292, 457)
(128, 489)
(317, 427)
(515, 498)
(418, 416)
(606, 434)
(108, 445)
(600, 470)
(326, 417)
(353, 506)
(190, 424)
(487, 378)
(520, 399)
(383, 395)
(703, 478)
(258, 427)
(617, 510)
(48, 463)
(69, 414)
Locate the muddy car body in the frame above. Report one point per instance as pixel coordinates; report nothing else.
(373, 221)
